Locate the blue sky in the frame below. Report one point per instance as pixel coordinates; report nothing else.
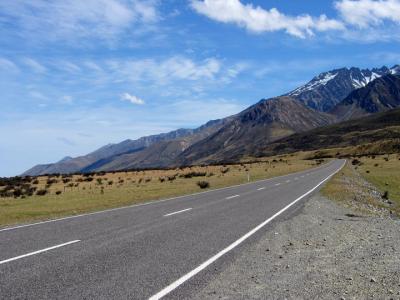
(76, 75)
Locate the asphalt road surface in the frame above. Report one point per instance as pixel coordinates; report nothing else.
(161, 249)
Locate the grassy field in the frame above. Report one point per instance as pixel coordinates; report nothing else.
(382, 171)
(68, 195)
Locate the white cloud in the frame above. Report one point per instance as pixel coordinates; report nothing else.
(93, 66)
(68, 66)
(365, 13)
(76, 19)
(38, 95)
(8, 65)
(162, 72)
(132, 99)
(258, 20)
(34, 65)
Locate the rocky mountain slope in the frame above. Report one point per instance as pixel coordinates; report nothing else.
(95, 160)
(157, 155)
(381, 127)
(328, 89)
(379, 95)
(264, 122)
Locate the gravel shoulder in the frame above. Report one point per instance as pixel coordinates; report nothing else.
(330, 250)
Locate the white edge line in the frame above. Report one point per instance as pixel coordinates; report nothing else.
(156, 201)
(177, 212)
(205, 264)
(37, 252)
(231, 197)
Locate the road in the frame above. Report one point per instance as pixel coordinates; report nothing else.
(161, 249)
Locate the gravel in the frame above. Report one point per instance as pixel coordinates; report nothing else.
(326, 251)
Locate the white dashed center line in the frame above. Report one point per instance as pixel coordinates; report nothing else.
(231, 197)
(260, 189)
(38, 252)
(177, 212)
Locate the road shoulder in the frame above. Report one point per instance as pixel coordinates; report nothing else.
(328, 250)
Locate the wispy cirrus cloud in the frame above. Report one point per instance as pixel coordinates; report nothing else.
(163, 71)
(34, 65)
(8, 65)
(76, 19)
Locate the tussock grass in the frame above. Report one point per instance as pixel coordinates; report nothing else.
(88, 193)
(382, 171)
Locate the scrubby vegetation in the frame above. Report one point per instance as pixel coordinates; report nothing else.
(382, 171)
(33, 198)
(203, 184)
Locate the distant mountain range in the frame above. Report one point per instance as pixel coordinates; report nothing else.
(329, 98)
(380, 95)
(326, 90)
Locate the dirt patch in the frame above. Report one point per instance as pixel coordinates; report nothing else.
(327, 251)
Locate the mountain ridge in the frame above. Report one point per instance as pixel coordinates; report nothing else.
(262, 122)
(379, 95)
(327, 89)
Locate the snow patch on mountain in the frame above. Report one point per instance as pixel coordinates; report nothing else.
(356, 77)
(363, 81)
(322, 79)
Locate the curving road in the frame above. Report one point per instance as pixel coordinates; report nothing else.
(160, 249)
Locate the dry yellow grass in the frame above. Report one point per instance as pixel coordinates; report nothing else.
(126, 188)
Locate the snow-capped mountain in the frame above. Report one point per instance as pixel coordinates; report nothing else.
(326, 90)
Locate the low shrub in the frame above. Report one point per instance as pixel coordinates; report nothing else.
(385, 195)
(224, 170)
(41, 192)
(50, 181)
(203, 184)
(171, 178)
(193, 174)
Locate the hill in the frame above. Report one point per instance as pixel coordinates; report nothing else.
(264, 122)
(382, 128)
